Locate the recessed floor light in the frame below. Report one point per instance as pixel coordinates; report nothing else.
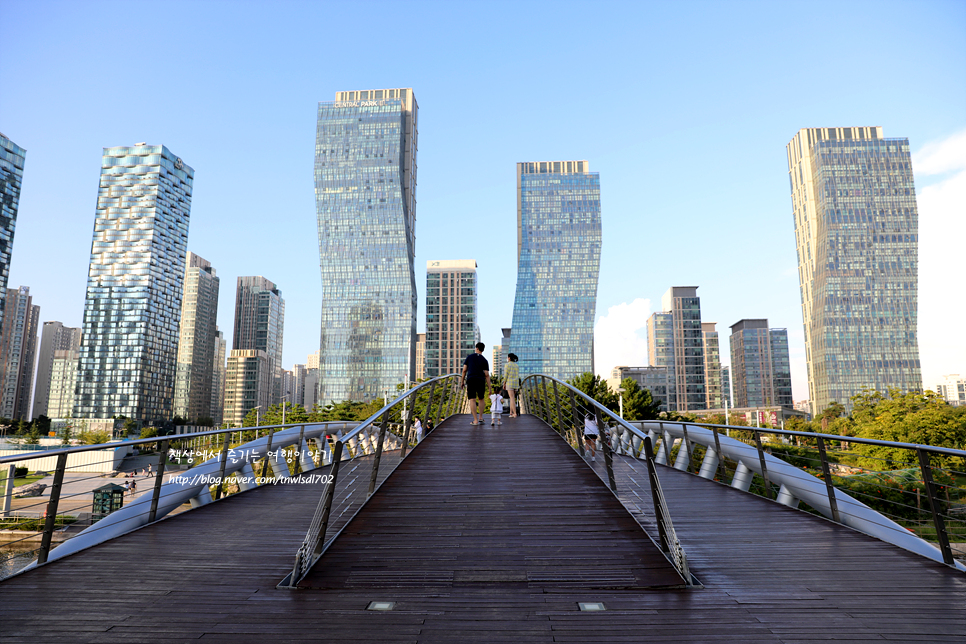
(591, 606)
(384, 605)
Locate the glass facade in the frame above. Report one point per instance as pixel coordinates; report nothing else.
(197, 343)
(18, 351)
(760, 364)
(450, 315)
(365, 195)
(129, 349)
(11, 176)
(259, 324)
(675, 340)
(53, 338)
(558, 261)
(856, 233)
(714, 398)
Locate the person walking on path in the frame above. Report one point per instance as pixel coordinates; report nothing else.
(476, 379)
(591, 434)
(417, 429)
(496, 406)
(511, 374)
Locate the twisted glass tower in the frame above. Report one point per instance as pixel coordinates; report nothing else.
(558, 261)
(365, 196)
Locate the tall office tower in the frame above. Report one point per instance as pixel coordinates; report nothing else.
(259, 322)
(218, 375)
(496, 362)
(856, 232)
(129, 350)
(11, 176)
(248, 384)
(420, 356)
(760, 365)
(298, 384)
(558, 261)
(675, 340)
(54, 337)
(197, 343)
(450, 315)
(365, 196)
(18, 349)
(714, 396)
(952, 388)
(63, 379)
(727, 398)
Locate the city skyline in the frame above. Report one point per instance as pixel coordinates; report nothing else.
(737, 233)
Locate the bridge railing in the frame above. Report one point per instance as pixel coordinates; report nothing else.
(566, 409)
(907, 494)
(349, 485)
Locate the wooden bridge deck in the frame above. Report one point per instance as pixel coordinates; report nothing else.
(489, 536)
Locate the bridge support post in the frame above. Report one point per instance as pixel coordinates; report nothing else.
(375, 463)
(429, 403)
(686, 446)
(268, 453)
(764, 467)
(203, 497)
(709, 464)
(605, 446)
(556, 398)
(656, 496)
(742, 478)
(785, 497)
(51, 512)
(578, 423)
(407, 425)
(158, 480)
(224, 464)
(246, 476)
(937, 518)
(305, 458)
(833, 503)
(723, 473)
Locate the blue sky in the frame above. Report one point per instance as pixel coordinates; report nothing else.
(683, 107)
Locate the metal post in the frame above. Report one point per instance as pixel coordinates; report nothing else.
(52, 508)
(159, 476)
(826, 471)
(655, 497)
(298, 448)
(8, 492)
(578, 423)
(429, 404)
(556, 399)
(407, 425)
(722, 470)
(931, 497)
(224, 464)
(443, 399)
(375, 463)
(764, 468)
(268, 453)
(544, 402)
(687, 446)
(605, 446)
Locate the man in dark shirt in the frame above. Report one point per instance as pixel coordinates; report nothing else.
(476, 379)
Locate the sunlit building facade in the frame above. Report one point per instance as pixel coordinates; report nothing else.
(54, 338)
(760, 365)
(451, 315)
(365, 195)
(558, 262)
(197, 340)
(260, 325)
(714, 397)
(675, 339)
(857, 236)
(18, 352)
(129, 349)
(11, 176)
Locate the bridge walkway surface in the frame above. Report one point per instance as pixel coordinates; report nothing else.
(488, 535)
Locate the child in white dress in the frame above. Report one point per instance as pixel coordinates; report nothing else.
(496, 407)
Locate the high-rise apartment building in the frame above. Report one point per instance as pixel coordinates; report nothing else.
(420, 356)
(11, 176)
(53, 338)
(496, 363)
(259, 322)
(558, 261)
(63, 379)
(451, 314)
(365, 195)
(760, 365)
(726, 395)
(675, 340)
(952, 388)
(218, 375)
(197, 340)
(714, 396)
(129, 350)
(857, 233)
(248, 385)
(18, 347)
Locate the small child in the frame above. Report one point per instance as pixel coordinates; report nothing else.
(496, 407)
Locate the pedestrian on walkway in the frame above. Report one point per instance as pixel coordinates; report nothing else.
(496, 406)
(134, 486)
(417, 429)
(476, 379)
(511, 382)
(591, 434)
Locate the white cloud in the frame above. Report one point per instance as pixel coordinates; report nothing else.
(620, 337)
(942, 236)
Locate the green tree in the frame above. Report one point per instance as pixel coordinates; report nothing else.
(43, 423)
(638, 402)
(293, 414)
(32, 435)
(595, 387)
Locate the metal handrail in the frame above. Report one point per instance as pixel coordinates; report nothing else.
(797, 485)
(440, 404)
(551, 412)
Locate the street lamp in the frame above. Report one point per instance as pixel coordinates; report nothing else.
(256, 414)
(620, 393)
(283, 407)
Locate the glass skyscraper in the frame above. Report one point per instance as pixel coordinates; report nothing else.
(451, 315)
(760, 364)
(365, 195)
(11, 176)
(857, 234)
(129, 348)
(676, 340)
(197, 341)
(558, 261)
(259, 325)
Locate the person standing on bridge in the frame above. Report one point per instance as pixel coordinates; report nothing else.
(476, 379)
(511, 374)
(591, 434)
